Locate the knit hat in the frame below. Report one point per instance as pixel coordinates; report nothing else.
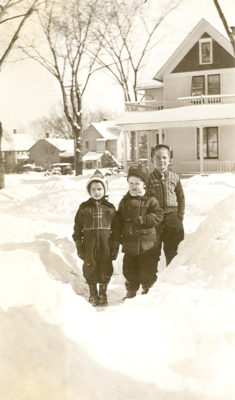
(98, 177)
(139, 173)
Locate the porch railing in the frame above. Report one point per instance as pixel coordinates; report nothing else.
(210, 166)
(151, 105)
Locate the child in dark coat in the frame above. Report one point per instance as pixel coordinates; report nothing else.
(91, 233)
(166, 187)
(134, 226)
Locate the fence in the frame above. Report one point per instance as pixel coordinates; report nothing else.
(210, 166)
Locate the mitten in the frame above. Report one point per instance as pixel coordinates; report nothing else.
(113, 248)
(171, 220)
(180, 217)
(80, 249)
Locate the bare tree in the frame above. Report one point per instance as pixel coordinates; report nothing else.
(128, 32)
(13, 16)
(1, 161)
(54, 124)
(14, 13)
(230, 32)
(68, 30)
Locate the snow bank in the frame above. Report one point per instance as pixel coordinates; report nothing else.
(175, 343)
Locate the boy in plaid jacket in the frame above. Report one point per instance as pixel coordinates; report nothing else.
(166, 187)
(91, 233)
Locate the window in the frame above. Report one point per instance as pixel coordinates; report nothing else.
(210, 143)
(213, 84)
(198, 85)
(87, 144)
(206, 85)
(205, 51)
(158, 137)
(143, 145)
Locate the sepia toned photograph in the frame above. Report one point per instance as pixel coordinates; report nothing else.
(117, 178)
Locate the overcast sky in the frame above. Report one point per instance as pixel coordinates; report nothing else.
(28, 92)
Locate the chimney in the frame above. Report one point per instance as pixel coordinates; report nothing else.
(47, 135)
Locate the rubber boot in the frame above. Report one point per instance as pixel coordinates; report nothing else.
(130, 294)
(102, 294)
(145, 289)
(93, 299)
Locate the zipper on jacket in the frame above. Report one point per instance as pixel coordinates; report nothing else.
(139, 233)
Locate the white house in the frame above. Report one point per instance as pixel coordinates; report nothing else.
(104, 136)
(190, 105)
(16, 150)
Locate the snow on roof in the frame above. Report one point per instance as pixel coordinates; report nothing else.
(18, 142)
(107, 129)
(61, 144)
(220, 114)
(68, 153)
(92, 156)
(150, 84)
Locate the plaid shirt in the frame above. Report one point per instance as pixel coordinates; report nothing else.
(168, 191)
(93, 216)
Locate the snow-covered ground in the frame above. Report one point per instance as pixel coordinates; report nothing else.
(176, 343)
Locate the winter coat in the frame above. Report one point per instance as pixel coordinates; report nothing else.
(134, 224)
(92, 229)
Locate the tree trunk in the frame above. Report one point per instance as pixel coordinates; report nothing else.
(77, 131)
(2, 181)
(77, 151)
(226, 27)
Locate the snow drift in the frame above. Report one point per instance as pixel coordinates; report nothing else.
(175, 343)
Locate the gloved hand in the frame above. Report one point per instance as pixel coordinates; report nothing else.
(171, 220)
(180, 217)
(113, 249)
(80, 249)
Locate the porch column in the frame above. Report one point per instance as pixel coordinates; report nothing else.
(201, 149)
(137, 145)
(149, 150)
(124, 133)
(160, 136)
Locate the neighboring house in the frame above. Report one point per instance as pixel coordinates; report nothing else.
(15, 150)
(48, 151)
(94, 159)
(189, 105)
(104, 136)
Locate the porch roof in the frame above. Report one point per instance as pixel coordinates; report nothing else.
(193, 116)
(92, 156)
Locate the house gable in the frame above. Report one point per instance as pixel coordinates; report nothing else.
(190, 44)
(191, 62)
(43, 143)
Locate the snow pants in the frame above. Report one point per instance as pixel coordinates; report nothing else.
(140, 269)
(97, 272)
(171, 234)
(97, 267)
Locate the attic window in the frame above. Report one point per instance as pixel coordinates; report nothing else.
(205, 51)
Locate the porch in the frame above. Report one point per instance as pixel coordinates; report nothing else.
(210, 166)
(151, 105)
(195, 116)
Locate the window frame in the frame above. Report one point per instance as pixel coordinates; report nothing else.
(206, 131)
(201, 43)
(208, 76)
(204, 84)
